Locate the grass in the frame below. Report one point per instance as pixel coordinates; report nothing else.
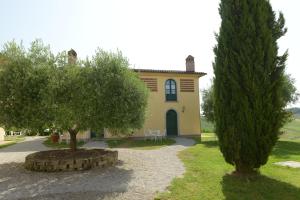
(292, 129)
(61, 145)
(139, 144)
(15, 138)
(7, 144)
(208, 176)
(11, 140)
(206, 126)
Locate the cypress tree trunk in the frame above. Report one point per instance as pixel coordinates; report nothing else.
(242, 168)
(248, 104)
(73, 141)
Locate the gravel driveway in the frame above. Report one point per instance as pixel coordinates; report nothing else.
(18, 152)
(138, 175)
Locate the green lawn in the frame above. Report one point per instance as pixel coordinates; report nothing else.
(6, 144)
(206, 127)
(139, 144)
(11, 140)
(207, 176)
(61, 145)
(292, 129)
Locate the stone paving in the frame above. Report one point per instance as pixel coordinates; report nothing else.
(292, 164)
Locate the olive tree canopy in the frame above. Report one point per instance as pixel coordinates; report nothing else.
(39, 90)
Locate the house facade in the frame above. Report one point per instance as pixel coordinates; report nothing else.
(174, 103)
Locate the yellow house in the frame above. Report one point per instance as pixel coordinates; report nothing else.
(174, 103)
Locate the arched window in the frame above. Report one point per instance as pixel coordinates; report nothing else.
(171, 91)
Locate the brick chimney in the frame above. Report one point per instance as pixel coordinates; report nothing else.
(190, 64)
(72, 56)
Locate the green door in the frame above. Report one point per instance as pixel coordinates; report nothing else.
(172, 128)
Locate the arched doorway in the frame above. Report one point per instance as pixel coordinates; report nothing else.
(171, 123)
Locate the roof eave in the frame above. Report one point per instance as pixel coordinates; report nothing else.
(199, 74)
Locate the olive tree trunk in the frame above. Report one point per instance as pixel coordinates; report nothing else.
(73, 141)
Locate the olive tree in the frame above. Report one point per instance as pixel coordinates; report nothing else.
(102, 92)
(24, 78)
(39, 90)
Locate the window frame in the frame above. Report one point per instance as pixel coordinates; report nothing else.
(171, 90)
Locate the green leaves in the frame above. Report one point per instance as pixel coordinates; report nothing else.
(250, 93)
(207, 105)
(39, 90)
(119, 94)
(22, 90)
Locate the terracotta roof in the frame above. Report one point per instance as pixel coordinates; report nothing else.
(169, 71)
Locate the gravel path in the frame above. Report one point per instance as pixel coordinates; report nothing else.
(138, 175)
(18, 152)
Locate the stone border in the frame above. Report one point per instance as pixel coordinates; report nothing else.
(103, 158)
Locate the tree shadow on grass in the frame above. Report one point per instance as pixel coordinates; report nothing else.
(210, 143)
(284, 149)
(17, 182)
(257, 187)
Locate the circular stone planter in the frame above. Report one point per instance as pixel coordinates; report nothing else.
(67, 160)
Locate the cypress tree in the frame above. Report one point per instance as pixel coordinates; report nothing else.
(249, 75)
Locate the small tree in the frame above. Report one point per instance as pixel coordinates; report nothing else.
(24, 78)
(70, 101)
(123, 95)
(207, 105)
(289, 91)
(249, 77)
(98, 93)
(39, 90)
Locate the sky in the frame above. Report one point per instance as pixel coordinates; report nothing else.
(156, 34)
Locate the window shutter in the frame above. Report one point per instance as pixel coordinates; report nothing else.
(151, 83)
(187, 85)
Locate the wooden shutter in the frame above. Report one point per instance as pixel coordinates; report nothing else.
(187, 85)
(151, 83)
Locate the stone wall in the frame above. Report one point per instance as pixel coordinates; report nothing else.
(104, 159)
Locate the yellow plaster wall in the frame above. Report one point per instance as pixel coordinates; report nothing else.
(2, 134)
(187, 105)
